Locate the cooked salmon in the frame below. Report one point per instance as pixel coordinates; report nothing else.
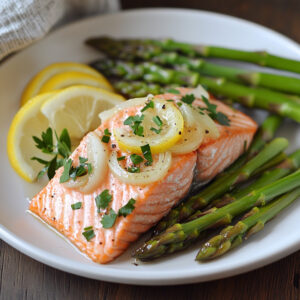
(53, 203)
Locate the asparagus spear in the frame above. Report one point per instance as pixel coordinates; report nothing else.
(289, 165)
(190, 231)
(222, 185)
(232, 236)
(142, 50)
(248, 96)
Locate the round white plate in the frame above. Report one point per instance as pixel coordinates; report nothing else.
(25, 233)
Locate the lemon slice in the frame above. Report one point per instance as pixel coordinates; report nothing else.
(34, 86)
(66, 79)
(28, 122)
(170, 131)
(76, 108)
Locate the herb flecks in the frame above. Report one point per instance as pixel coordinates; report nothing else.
(71, 172)
(121, 158)
(136, 159)
(146, 150)
(159, 123)
(59, 152)
(76, 205)
(149, 104)
(133, 169)
(188, 98)
(103, 200)
(88, 233)
(173, 91)
(135, 124)
(109, 219)
(212, 112)
(106, 136)
(127, 208)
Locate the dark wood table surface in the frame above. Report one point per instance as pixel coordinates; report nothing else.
(24, 278)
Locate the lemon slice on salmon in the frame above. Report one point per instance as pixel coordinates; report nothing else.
(76, 108)
(34, 86)
(28, 122)
(162, 126)
(67, 79)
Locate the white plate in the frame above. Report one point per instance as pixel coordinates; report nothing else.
(28, 235)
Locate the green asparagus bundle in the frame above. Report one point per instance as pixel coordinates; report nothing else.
(285, 167)
(222, 185)
(184, 233)
(253, 222)
(130, 50)
(248, 96)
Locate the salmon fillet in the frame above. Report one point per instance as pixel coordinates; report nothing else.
(53, 203)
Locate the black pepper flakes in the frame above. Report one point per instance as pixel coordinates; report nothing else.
(206, 131)
(113, 146)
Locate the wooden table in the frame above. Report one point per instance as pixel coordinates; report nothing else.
(23, 278)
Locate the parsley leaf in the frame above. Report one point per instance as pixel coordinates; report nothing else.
(109, 220)
(135, 124)
(65, 176)
(121, 158)
(188, 98)
(76, 205)
(173, 91)
(46, 143)
(212, 112)
(136, 159)
(106, 136)
(88, 233)
(159, 123)
(146, 150)
(103, 200)
(149, 104)
(127, 208)
(133, 169)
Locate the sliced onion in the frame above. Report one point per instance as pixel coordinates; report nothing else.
(199, 91)
(97, 156)
(150, 174)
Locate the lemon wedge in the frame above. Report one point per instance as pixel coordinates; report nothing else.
(76, 108)
(34, 86)
(67, 79)
(28, 122)
(161, 134)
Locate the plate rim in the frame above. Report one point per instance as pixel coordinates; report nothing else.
(150, 277)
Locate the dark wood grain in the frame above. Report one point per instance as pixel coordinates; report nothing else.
(23, 278)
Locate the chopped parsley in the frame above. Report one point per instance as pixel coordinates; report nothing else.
(135, 124)
(127, 208)
(136, 159)
(188, 98)
(170, 100)
(133, 169)
(121, 158)
(88, 233)
(71, 172)
(60, 152)
(159, 123)
(106, 136)
(103, 200)
(212, 112)
(76, 205)
(173, 91)
(149, 104)
(146, 150)
(109, 220)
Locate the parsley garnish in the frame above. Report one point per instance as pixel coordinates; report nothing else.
(159, 123)
(173, 91)
(212, 112)
(76, 205)
(88, 233)
(73, 172)
(149, 104)
(103, 200)
(121, 158)
(127, 208)
(133, 169)
(135, 124)
(146, 150)
(109, 220)
(106, 136)
(136, 159)
(188, 99)
(60, 151)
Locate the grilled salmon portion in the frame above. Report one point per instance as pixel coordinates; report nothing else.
(53, 203)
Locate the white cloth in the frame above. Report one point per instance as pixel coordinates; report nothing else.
(25, 21)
